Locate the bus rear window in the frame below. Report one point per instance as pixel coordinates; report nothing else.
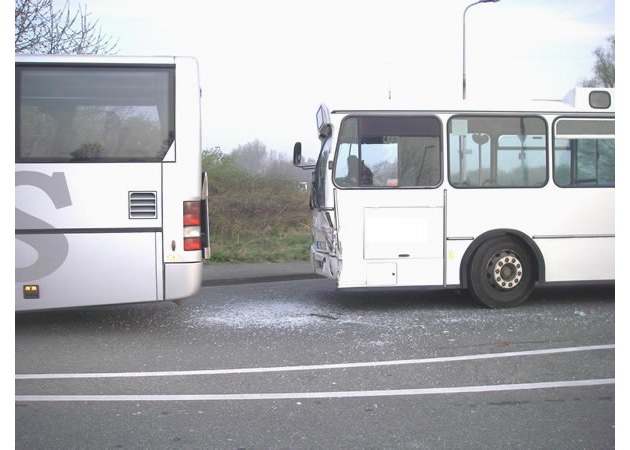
(94, 114)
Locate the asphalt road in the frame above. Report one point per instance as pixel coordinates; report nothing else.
(298, 364)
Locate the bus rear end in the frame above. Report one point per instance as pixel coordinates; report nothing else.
(108, 187)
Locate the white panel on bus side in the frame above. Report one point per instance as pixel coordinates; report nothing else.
(85, 196)
(579, 259)
(99, 268)
(408, 233)
(381, 274)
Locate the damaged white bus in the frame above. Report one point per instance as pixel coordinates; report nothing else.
(496, 200)
(110, 199)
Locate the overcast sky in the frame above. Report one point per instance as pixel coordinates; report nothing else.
(266, 65)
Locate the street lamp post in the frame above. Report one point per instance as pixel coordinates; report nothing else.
(464, 44)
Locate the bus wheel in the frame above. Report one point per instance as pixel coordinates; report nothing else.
(501, 273)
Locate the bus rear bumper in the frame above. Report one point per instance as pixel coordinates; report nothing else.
(182, 280)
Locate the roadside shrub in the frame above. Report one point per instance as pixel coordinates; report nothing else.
(255, 217)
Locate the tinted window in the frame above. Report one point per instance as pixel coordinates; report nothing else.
(94, 114)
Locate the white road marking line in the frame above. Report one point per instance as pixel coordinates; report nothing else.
(256, 370)
(314, 395)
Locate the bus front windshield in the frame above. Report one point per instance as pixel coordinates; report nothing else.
(388, 151)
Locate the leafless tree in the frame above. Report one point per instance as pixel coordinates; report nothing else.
(604, 68)
(40, 28)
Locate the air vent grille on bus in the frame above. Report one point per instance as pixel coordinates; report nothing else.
(142, 205)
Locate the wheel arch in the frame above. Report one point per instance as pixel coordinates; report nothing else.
(488, 235)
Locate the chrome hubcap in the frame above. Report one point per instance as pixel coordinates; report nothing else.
(505, 270)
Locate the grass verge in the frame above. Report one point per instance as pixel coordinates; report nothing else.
(262, 247)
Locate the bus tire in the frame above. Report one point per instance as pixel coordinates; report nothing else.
(501, 273)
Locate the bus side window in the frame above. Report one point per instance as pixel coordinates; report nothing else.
(584, 153)
(497, 151)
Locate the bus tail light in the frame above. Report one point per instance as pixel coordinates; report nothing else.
(192, 226)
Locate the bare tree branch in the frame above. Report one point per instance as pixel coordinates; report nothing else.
(39, 28)
(604, 68)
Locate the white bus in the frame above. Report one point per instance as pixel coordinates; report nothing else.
(110, 199)
(493, 200)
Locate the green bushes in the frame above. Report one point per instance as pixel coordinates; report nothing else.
(255, 217)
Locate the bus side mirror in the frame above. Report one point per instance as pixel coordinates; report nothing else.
(297, 157)
(297, 154)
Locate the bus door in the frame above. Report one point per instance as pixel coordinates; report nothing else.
(388, 208)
